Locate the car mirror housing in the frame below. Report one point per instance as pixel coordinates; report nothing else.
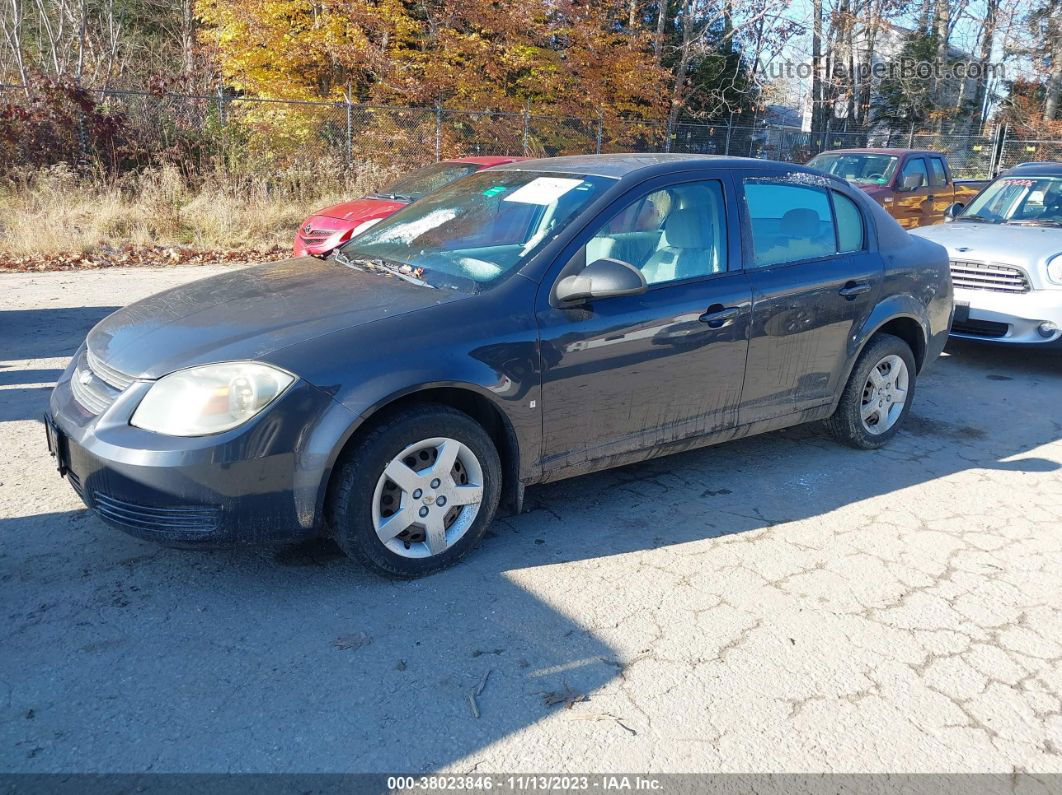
(953, 211)
(603, 278)
(913, 182)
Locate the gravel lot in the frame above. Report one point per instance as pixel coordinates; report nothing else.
(779, 603)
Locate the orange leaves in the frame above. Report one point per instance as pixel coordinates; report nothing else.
(562, 56)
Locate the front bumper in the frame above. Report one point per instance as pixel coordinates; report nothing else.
(241, 486)
(1008, 318)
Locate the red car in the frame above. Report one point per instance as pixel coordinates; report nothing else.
(331, 227)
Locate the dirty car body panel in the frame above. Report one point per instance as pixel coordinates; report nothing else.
(566, 389)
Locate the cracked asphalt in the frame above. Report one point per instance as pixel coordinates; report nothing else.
(775, 604)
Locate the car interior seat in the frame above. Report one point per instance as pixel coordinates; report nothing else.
(685, 249)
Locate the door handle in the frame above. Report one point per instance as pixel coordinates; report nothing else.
(718, 315)
(852, 289)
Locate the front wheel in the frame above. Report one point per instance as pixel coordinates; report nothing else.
(878, 395)
(417, 492)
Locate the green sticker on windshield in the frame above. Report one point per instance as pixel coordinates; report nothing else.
(489, 192)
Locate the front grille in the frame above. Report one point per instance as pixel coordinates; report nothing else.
(982, 276)
(95, 385)
(981, 328)
(108, 374)
(314, 236)
(174, 519)
(75, 482)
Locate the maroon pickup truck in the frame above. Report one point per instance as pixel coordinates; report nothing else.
(915, 186)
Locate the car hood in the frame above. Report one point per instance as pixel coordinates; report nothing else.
(363, 209)
(1004, 243)
(250, 312)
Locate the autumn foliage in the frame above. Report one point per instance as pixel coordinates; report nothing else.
(567, 57)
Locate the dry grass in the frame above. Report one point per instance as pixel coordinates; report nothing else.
(53, 212)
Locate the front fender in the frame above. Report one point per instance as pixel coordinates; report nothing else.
(459, 345)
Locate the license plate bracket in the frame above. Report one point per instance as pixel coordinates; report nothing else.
(57, 446)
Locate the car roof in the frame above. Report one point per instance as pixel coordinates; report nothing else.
(622, 165)
(1040, 168)
(486, 162)
(871, 150)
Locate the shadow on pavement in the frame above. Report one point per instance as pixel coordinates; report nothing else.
(44, 333)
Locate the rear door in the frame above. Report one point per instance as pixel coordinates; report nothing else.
(814, 278)
(943, 194)
(913, 208)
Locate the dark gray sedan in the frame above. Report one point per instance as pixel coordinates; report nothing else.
(528, 323)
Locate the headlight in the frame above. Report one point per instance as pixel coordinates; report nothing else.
(1054, 269)
(209, 399)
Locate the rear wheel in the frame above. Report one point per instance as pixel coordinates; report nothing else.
(417, 492)
(878, 395)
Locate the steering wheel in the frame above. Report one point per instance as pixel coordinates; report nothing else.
(875, 176)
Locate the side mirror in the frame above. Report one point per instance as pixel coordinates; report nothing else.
(603, 278)
(913, 181)
(953, 211)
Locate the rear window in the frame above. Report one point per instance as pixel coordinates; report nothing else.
(790, 222)
(937, 176)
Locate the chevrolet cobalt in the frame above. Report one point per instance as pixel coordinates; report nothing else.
(527, 323)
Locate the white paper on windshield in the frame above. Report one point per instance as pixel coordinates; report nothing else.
(542, 190)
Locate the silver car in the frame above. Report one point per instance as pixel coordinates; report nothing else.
(1005, 249)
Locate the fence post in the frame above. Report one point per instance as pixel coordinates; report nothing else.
(999, 140)
(438, 133)
(600, 131)
(350, 127)
(221, 106)
(527, 123)
(667, 134)
(729, 127)
(910, 137)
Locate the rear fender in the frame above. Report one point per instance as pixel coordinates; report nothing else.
(890, 308)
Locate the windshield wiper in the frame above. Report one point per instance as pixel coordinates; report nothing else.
(1035, 222)
(978, 218)
(399, 269)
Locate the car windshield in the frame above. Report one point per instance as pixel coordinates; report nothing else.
(476, 230)
(1018, 200)
(426, 180)
(867, 169)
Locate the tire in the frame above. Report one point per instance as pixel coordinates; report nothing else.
(362, 494)
(847, 423)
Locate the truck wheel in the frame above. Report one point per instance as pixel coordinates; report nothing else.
(878, 394)
(416, 493)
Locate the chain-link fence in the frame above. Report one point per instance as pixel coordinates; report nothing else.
(1017, 151)
(256, 134)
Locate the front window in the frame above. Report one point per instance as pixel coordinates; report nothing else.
(865, 169)
(669, 235)
(426, 180)
(1018, 200)
(475, 231)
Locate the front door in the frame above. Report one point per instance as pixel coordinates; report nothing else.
(630, 373)
(814, 281)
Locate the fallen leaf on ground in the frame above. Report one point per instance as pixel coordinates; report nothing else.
(355, 641)
(567, 697)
